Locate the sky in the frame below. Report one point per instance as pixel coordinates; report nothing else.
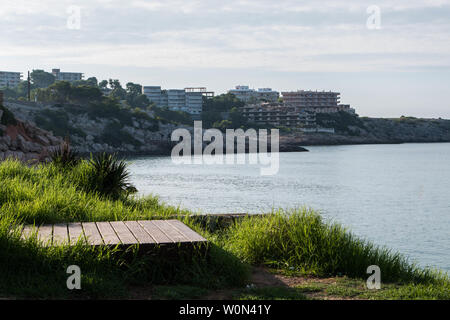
(387, 58)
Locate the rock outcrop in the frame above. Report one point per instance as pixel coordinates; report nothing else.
(25, 142)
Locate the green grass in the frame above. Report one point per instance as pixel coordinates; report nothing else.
(345, 287)
(297, 242)
(300, 241)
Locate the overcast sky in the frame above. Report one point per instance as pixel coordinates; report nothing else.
(401, 68)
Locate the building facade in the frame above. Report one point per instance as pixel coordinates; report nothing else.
(9, 79)
(277, 114)
(247, 95)
(67, 76)
(189, 100)
(316, 101)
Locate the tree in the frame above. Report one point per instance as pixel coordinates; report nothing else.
(134, 96)
(41, 79)
(103, 84)
(134, 89)
(85, 93)
(59, 91)
(92, 81)
(117, 90)
(223, 125)
(237, 119)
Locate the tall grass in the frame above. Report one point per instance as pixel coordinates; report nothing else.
(47, 193)
(299, 240)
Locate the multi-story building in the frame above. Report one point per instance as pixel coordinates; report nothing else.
(194, 102)
(277, 114)
(9, 79)
(176, 99)
(67, 76)
(153, 94)
(317, 101)
(189, 100)
(247, 95)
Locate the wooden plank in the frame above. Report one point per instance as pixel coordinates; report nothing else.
(45, 234)
(92, 234)
(159, 236)
(60, 234)
(124, 234)
(188, 232)
(170, 231)
(107, 233)
(18, 229)
(139, 233)
(28, 231)
(75, 232)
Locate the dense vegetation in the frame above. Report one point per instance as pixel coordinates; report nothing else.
(297, 241)
(341, 121)
(215, 108)
(165, 114)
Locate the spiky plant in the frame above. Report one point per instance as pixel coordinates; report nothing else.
(64, 156)
(110, 176)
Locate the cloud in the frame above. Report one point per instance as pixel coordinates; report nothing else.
(273, 35)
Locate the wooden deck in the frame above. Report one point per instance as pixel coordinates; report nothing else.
(123, 233)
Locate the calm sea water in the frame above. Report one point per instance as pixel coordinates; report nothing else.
(394, 195)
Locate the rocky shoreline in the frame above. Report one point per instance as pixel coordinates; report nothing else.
(22, 138)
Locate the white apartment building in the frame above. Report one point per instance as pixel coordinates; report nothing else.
(189, 100)
(67, 76)
(176, 99)
(9, 79)
(153, 94)
(247, 95)
(194, 102)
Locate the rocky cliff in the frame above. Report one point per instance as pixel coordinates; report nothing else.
(24, 141)
(139, 132)
(90, 130)
(373, 130)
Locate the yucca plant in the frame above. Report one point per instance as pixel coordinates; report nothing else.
(110, 176)
(64, 156)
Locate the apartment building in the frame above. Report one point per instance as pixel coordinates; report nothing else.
(176, 99)
(9, 79)
(247, 95)
(189, 100)
(67, 76)
(277, 114)
(317, 101)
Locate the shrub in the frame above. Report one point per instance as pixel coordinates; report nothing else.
(64, 156)
(110, 176)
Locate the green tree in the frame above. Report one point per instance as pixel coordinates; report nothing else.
(41, 79)
(134, 96)
(117, 90)
(103, 84)
(92, 81)
(85, 93)
(60, 91)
